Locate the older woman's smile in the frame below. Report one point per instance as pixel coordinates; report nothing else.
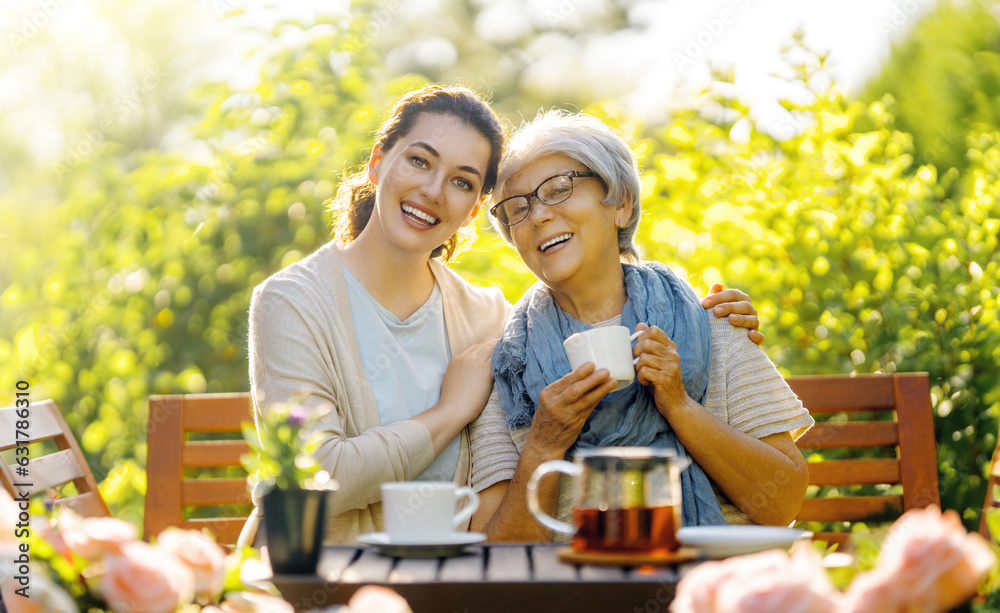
(555, 241)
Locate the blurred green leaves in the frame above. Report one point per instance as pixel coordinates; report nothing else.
(943, 80)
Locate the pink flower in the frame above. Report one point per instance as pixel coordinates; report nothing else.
(298, 414)
(94, 537)
(143, 578)
(928, 563)
(766, 581)
(49, 532)
(203, 557)
(248, 602)
(375, 599)
(43, 597)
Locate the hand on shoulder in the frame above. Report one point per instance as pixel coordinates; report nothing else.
(737, 307)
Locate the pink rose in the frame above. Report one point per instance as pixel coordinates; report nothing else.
(44, 597)
(143, 578)
(375, 599)
(928, 563)
(249, 602)
(766, 581)
(49, 532)
(203, 557)
(92, 537)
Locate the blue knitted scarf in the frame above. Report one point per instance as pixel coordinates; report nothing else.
(530, 356)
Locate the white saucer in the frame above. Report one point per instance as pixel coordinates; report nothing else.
(723, 541)
(451, 545)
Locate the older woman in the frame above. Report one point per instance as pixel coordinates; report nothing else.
(567, 198)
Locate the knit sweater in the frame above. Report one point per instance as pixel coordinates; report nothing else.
(303, 349)
(745, 390)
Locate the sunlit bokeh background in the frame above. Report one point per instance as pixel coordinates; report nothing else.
(838, 161)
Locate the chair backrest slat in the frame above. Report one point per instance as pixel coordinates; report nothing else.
(213, 453)
(216, 412)
(844, 393)
(42, 425)
(854, 472)
(226, 529)
(54, 469)
(86, 505)
(850, 434)
(850, 508)
(207, 492)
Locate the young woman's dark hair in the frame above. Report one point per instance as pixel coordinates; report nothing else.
(355, 199)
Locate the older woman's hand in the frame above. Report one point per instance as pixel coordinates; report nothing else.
(565, 405)
(659, 368)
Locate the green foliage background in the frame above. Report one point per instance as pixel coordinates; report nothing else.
(133, 267)
(945, 78)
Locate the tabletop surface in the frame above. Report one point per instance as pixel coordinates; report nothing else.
(484, 578)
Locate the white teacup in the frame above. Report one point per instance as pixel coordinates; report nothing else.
(424, 511)
(609, 347)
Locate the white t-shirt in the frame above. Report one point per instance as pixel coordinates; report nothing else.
(405, 362)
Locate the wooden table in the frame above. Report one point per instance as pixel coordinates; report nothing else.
(505, 578)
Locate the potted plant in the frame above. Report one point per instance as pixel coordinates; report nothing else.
(282, 457)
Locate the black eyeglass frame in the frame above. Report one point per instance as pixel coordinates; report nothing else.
(573, 174)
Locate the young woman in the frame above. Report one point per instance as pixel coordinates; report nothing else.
(374, 332)
(567, 198)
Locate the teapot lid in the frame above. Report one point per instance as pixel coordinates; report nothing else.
(626, 453)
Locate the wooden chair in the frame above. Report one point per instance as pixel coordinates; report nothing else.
(892, 412)
(48, 469)
(191, 440)
(992, 501)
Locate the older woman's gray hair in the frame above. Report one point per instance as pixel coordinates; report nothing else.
(590, 142)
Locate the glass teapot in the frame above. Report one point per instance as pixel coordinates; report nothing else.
(626, 499)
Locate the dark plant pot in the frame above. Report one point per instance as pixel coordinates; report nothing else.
(294, 523)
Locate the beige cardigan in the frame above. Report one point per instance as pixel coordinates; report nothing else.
(302, 345)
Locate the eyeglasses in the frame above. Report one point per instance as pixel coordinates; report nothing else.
(552, 191)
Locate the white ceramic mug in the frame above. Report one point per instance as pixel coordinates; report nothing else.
(424, 511)
(609, 347)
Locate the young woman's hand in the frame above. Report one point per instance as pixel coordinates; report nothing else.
(468, 380)
(659, 368)
(564, 405)
(737, 306)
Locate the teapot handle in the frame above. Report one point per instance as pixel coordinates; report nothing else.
(544, 518)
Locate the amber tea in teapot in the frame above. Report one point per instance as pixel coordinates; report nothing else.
(626, 500)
